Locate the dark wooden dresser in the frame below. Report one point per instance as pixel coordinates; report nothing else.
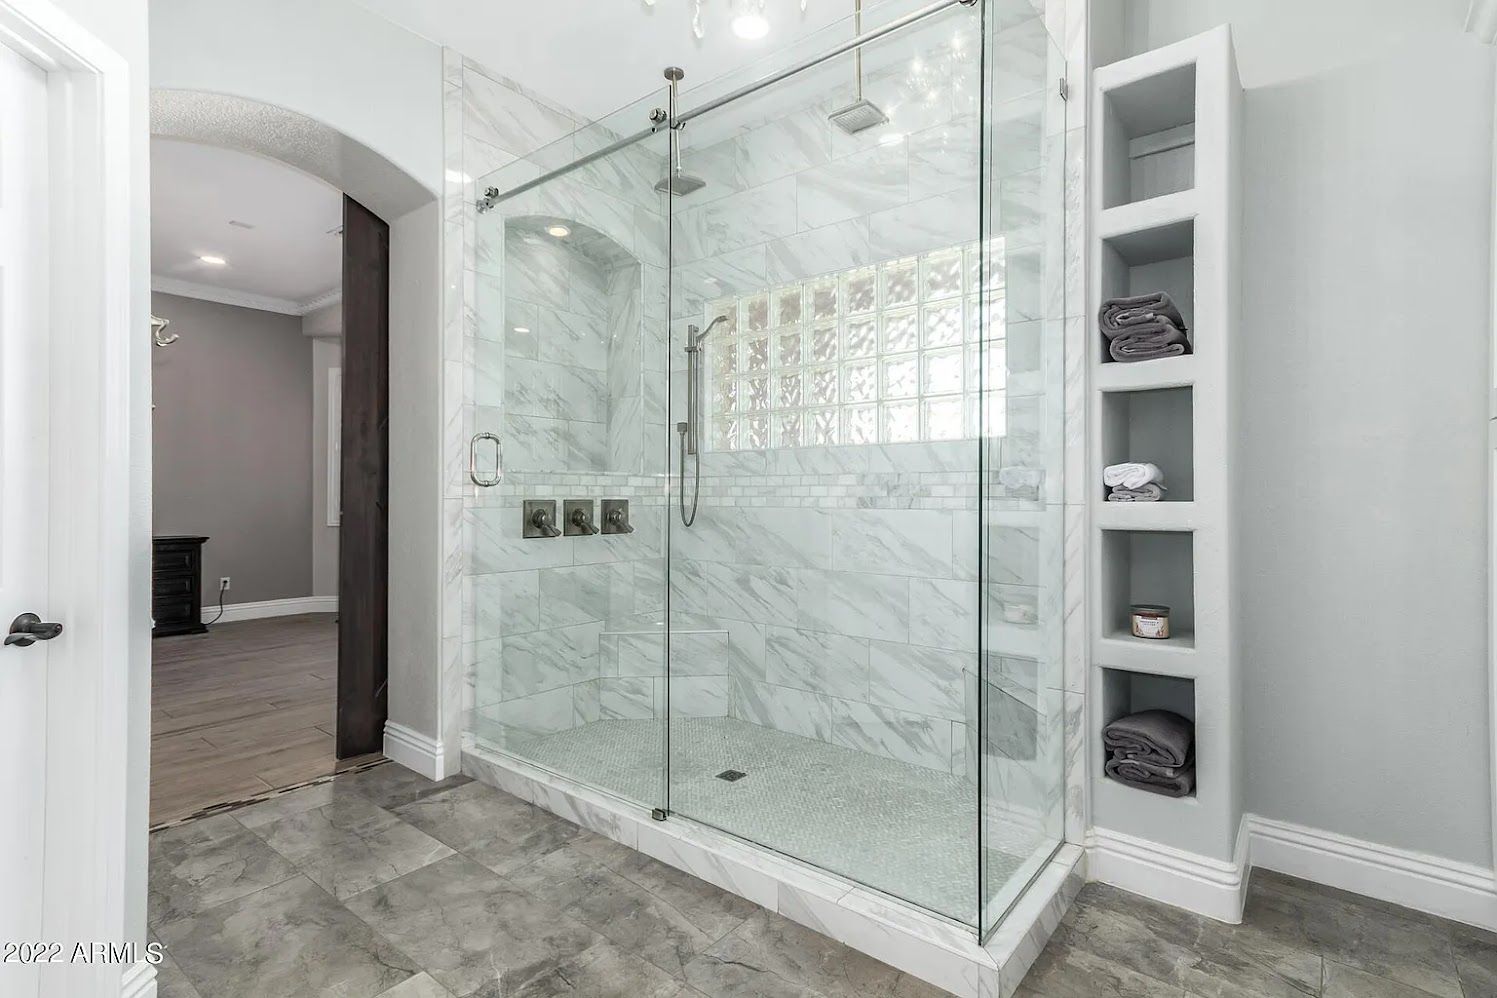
(177, 586)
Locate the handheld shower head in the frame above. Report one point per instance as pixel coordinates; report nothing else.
(696, 338)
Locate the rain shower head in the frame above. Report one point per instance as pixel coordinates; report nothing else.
(860, 115)
(679, 184)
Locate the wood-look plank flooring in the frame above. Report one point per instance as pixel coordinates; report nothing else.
(248, 707)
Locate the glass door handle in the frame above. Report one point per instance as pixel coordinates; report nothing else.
(28, 629)
(485, 481)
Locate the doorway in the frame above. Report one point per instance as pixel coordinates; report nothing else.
(269, 471)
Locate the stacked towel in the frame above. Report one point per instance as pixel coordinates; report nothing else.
(1144, 327)
(1152, 750)
(1134, 482)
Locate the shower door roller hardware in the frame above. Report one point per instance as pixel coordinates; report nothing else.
(659, 813)
(616, 517)
(481, 480)
(28, 629)
(578, 517)
(540, 518)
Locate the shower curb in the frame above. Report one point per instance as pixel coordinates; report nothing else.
(939, 951)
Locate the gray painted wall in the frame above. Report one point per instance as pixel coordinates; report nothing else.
(1366, 278)
(233, 445)
(327, 353)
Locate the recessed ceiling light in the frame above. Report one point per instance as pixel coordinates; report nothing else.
(559, 231)
(213, 261)
(522, 329)
(751, 25)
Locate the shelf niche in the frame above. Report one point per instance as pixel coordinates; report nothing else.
(1149, 260)
(1125, 692)
(1149, 566)
(1148, 130)
(1154, 426)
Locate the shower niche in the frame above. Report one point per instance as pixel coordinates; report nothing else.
(571, 381)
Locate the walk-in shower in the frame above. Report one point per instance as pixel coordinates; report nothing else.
(840, 638)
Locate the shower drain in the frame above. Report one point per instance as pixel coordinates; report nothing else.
(731, 775)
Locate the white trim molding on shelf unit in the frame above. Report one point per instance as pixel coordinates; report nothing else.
(242, 299)
(1166, 216)
(1462, 892)
(270, 608)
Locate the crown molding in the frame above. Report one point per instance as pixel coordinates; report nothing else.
(1481, 20)
(242, 299)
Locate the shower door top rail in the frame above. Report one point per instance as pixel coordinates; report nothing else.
(493, 196)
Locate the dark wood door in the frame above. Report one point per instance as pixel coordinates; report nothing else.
(363, 542)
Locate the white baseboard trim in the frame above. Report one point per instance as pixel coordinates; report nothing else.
(138, 980)
(415, 751)
(272, 608)
(1211, 887)
(1459, 891)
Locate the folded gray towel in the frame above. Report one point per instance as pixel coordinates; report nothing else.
(1119, 313)
(1159, 737)
(1152, 492)
(1180, 782)
(1148, 340)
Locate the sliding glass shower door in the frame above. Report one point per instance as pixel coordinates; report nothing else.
(566, 556)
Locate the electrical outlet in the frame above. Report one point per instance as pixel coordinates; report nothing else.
(223, 584)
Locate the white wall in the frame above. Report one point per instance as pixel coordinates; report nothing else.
(415, 470)
(1365, 340)
(328, 59)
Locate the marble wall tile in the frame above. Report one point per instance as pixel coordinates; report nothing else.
(919, 680)
(895, 734)
(757, 215)
(699, 696)
(765, 594)
(943, 613)
(494, 538)
(585, 593)
(945, 158)
(796, 712)
(787, 144)
(906, 542)
(506, 119)
(829, 249)
(527, 717)
(933, 223)
(855, 186)
(834, 664)
(543, 660)
(746, 535)
(855, 604)
(627, 698)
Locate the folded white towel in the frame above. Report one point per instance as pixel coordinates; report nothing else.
(1132, 475)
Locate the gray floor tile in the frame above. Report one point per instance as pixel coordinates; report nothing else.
(603, 970)
(171, 982)
(292, 940)
(350, 845)
(500, 831)
(392, 785)
(1408, 949)
(1475, 960)
(1195, 953)
(294, 802)
(1345, 982)
(469, 928)
(205, 863)
(787, 951)
(423, 985)
(1066, 971)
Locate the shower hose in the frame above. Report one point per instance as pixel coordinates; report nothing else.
(696, 482)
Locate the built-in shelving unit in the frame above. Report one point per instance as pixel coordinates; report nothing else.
(1166, 217)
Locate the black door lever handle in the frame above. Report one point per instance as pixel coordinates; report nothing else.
(28, 629)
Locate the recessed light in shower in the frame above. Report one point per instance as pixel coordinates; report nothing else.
(891, 138)
(213, 261)
(522, 330)
(559, 231)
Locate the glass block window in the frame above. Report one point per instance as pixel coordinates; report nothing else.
(885, 354)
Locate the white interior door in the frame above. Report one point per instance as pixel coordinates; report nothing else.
(24, 476)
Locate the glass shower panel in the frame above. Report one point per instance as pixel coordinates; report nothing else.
(565, 629)
(824, 603)
(1018, 747)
